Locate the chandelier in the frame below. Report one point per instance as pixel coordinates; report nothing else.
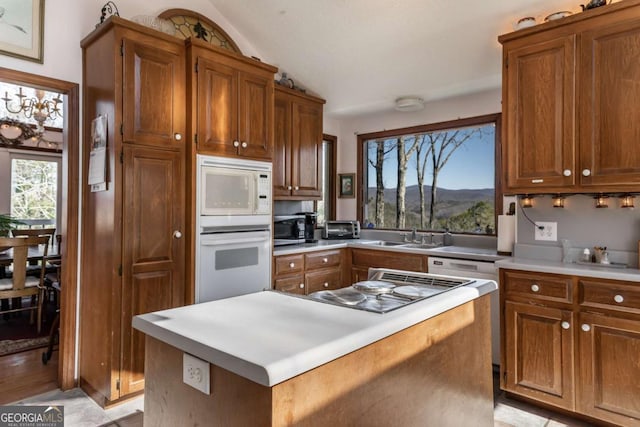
(15, 132)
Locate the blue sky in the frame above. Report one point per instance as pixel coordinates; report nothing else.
(472, 166)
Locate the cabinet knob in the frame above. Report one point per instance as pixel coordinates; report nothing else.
(325, 260)
(291, 265)
(326, 284)
(535, 287)
(566, 172)
(585, 327)
(289, 188)
(236, 144)
(586, 172)
(618, 299)
(565, 325)
(244, 144)
(178, 137)
(301, 285)
(177, 234)
(296, 188)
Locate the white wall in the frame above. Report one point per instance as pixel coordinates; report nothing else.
(477, 104)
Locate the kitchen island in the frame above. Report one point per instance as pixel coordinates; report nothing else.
(276, 359)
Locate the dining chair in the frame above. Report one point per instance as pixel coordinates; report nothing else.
(20, 285)
(33, 269)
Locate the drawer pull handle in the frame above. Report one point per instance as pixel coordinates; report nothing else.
(586, 172)
(618, 298)
(325, 260)
(326, 284)
(236, 144)
(586, 327)
(567, 172)
(289, 187)
(535, 288)
(244, 144)
(292, 265)
(565, 325)
(301, 285)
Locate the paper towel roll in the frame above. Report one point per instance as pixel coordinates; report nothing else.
(506, 233)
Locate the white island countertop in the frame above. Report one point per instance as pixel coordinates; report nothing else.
(270, 337)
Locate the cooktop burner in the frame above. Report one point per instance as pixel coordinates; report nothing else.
(405, 288)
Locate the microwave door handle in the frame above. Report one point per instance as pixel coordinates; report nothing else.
(219, 242)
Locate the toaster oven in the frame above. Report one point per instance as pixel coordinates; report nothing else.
(348, 229)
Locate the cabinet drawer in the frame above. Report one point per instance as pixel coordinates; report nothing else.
(314, 260)
(287, 264)
(539, 286)
(293, 284)
(610, 295)
(323, 280)
(384, 259)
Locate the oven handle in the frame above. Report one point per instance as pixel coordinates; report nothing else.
(218, 242)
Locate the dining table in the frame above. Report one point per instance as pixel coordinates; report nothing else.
(34, 254)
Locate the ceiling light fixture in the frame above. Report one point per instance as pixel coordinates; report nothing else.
(409, 103)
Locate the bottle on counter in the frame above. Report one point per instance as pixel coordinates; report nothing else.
(586, 255)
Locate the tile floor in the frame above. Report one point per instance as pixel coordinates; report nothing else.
(81, 411)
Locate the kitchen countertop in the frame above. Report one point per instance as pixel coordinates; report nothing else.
(460, 252)
(270, 337)
(595, 270)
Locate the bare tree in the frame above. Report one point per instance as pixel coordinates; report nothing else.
(442, 146)
(421, 167)
(404, 155)
(382, 149)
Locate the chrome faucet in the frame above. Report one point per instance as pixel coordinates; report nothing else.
(414, 235)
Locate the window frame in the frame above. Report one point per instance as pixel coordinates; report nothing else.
(332, 174)
(458, 123)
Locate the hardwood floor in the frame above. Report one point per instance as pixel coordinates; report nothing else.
(23, 375)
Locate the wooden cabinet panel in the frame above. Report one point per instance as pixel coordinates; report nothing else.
(365, 258)
(153, 94)
(281, 174)
(608, 372)
(539, 353)
(609, 295)
(540, 114)
(322, 259)
(610, 99)
(359, 274)
(292, 284)
(539, 286)
(255, 127)
(323, 280)
(217, 121)
(153, 260)
(288, 264)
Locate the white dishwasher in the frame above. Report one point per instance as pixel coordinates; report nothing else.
(475, 270)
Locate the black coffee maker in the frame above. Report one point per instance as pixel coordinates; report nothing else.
(310, 220)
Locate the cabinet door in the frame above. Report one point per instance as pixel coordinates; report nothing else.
(293, 284)
(539, 353)
(540, 145)
(153, 257)
(255, 124)
(307, 150)
(609, 369)
(217, 118)
(153, 93)
(281, 175)
(610, 101)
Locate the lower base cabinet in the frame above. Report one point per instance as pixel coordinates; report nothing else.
(580, 354)
(363, 259)
(309, 272)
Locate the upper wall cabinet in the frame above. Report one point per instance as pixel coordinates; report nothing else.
(232, 102)
(571, 91)
(297, 161)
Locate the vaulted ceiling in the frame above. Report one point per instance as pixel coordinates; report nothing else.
(360, 55)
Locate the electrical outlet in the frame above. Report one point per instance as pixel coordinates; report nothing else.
(195, 372)
(549, 231)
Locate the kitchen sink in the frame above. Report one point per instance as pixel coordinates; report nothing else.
(422, 245)
(384, 243)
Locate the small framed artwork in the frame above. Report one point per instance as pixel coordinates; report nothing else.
(347, 184)
(22, 29)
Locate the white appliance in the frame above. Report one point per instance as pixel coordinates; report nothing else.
(233, 241)
(475, 270)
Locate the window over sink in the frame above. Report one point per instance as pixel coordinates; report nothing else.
(431, 177)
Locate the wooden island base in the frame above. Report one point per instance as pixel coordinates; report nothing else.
(435, 373)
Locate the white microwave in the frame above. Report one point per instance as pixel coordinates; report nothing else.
(229, 186)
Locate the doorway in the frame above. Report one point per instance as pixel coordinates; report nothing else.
(68, 224)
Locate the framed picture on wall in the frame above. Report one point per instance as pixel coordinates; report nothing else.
(347, 184)
(22, 29)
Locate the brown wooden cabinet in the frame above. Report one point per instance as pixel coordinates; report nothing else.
(363, 259)
(569, 91)
(579, 354)
(297, 160)
(309, 272)
(232, 103)
(132, 260)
